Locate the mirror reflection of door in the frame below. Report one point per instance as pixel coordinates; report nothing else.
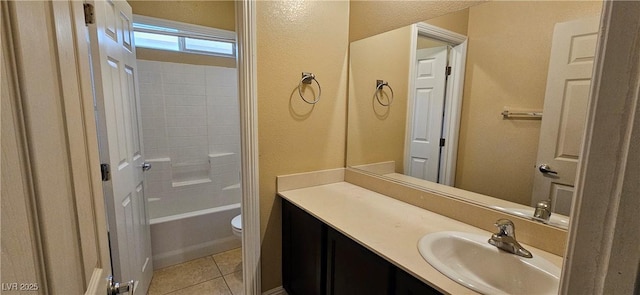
(565, 109)
(436, 80)
(427, 114)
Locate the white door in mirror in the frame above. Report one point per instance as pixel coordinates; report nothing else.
(426, 116)
(565, 109)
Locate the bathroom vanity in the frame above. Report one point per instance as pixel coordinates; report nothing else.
(342, 238)
(318, 259)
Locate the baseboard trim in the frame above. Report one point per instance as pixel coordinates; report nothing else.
(275, 291)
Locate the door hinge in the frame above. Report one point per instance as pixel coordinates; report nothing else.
(105, 171)
(447, 70)
(442, 140)
(89, 17)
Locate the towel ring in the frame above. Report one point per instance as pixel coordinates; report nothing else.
(306, 79)
(379, 85)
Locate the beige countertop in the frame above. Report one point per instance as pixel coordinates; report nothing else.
(386, 226)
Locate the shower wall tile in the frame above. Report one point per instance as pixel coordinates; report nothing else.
(229, 139)
(152, 100)
(149, 88)
(185, 121)
(187, 142)
(184, 89)
(155, 143)
(188, 155)
(153, 110)
(199, 131)
(149, 66)
(186, 111)
(169, 67)
(184, 78)
(190, 112)
(151, 120)
(223, 109)
(185, 100)
(225, 148)
(218, 130)
(151, 77)
(152, 131)
(228, 91)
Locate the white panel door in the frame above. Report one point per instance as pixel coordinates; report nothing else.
(115, 81)
(564, 114)
(426, 116)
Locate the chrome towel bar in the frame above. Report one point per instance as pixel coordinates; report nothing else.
(507, 114)
(306, 79)
(379, 85)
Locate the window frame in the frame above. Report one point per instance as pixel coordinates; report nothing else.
(183, 31)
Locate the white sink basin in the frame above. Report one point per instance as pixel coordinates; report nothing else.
(558, 220)
(472, 262)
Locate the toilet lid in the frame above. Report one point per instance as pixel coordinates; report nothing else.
(236, 222)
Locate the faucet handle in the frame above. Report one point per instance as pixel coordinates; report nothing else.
(542, 212)
(506, 228)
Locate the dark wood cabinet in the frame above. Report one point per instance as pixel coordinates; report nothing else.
(353, 269)
(317, 259)
(406, 284)
(303, 252)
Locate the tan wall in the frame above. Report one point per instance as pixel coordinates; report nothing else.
(507, 61)
(376, 133)
(456, 22)
(297, 36)
(368, 18)
(214, 14)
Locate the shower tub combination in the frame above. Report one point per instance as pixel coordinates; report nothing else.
(181, 230)
(190, 121)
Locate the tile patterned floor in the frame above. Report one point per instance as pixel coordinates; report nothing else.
(219, 274)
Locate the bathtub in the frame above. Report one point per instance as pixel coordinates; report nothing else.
(190, 210)
(187, 236)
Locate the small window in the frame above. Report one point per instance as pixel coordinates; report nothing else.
(156, 41)
(174, 36)
(193, 44)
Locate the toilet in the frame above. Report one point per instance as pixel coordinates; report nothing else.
(236, 225)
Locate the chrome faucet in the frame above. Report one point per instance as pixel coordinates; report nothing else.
(542, 212)
(505, 239)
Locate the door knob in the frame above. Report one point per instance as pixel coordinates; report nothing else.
(544, 168)
(145, 166)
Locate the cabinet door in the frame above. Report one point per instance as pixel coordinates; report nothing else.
(405, 284)
(354, 270)
(303, 253)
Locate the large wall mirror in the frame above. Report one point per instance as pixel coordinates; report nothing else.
(486, 104)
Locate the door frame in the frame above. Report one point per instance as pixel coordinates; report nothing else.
(453, 97)
(590, 268)
(247, 93)
(53, 112)
(46, 63)
(602, 255)
(247, 85)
